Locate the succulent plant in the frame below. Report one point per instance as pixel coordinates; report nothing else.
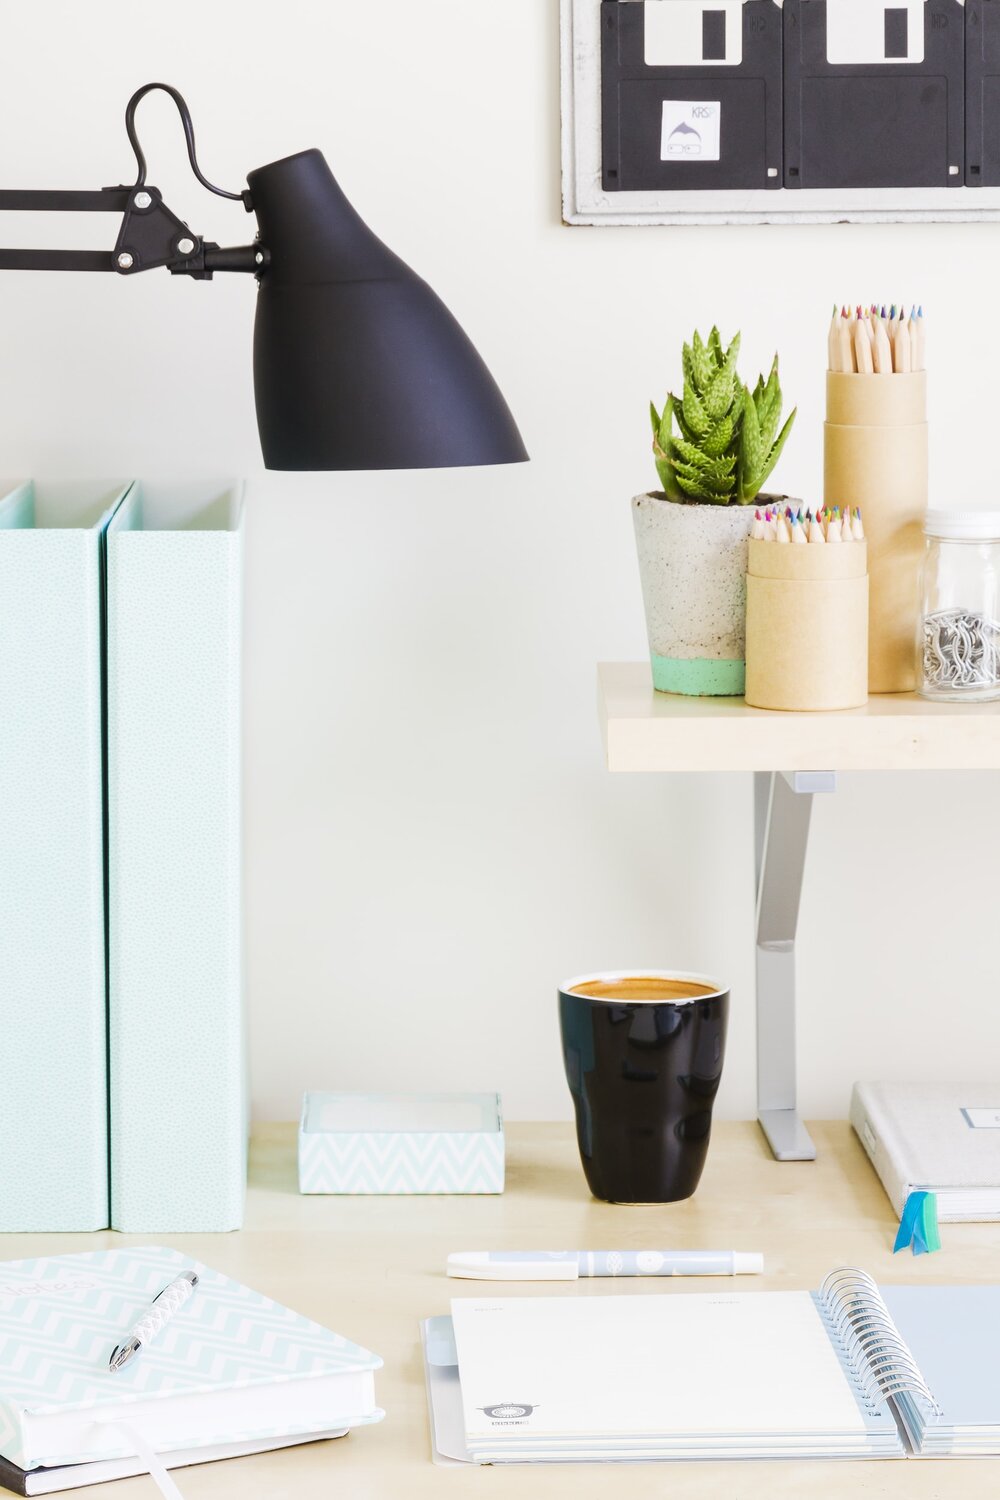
(726, 442)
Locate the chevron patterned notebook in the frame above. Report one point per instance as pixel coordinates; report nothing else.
(230, 1367)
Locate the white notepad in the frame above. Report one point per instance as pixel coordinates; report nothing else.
(696, 1375)
(850, 1371)
(780, 1373)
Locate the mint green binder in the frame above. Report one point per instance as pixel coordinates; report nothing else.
(175, 1004)
(53, 1102)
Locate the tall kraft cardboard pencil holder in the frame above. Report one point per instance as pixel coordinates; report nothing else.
(875, 457)
(177, 1052)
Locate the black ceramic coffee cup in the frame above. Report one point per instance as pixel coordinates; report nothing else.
(643, 1052)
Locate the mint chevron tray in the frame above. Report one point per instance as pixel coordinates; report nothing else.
(392, 1143)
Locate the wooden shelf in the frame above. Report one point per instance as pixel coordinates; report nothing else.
(648, 731)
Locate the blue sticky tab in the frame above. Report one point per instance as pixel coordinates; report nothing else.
(918, 1228)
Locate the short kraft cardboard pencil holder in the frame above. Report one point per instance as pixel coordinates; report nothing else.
(876, 458)
(807, 626)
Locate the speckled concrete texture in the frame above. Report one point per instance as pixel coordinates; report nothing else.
(693, 564)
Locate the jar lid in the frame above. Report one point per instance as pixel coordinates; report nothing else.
(963, 525)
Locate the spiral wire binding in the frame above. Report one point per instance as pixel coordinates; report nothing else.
(877, 1354)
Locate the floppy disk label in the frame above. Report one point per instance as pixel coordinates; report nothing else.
(691, 33)
(692, 130)
(874, 31)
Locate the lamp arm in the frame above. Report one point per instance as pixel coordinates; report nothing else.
(150, 235)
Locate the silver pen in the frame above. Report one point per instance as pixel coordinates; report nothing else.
(158, 1314)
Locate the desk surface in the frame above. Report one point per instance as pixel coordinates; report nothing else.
(649, 731)
(372, 1267)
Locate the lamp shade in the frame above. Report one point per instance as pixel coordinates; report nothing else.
(357, 363)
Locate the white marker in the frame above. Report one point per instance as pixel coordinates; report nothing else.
(567, 1265)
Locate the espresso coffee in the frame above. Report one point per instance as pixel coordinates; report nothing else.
(638, 987)
(643, 1056)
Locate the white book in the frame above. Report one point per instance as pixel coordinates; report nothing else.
(942, 1138)
(230, 1367)
(849, 1371)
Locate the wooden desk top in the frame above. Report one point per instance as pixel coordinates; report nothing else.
(373, 1267)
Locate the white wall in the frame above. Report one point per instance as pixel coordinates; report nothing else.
(431, 839)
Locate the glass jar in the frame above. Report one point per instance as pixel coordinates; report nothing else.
(958, 635)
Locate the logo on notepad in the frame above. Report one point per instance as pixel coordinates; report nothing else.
(508, 1413)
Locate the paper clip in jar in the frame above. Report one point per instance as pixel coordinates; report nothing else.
(958, 636)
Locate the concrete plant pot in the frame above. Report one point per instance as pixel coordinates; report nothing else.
(693, 566)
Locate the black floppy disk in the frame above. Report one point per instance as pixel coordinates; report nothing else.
(982, 93)
(690, 94)
(874, 93)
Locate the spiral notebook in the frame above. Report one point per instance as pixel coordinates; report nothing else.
(850, 1371)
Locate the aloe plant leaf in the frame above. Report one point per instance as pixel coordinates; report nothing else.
(712, 484)
(702, 364)
(696, 490)
(664, 434)
(769, 417)
(668, 480)
(695, 415)
(759, 396)
(769, 407)
(654, 417)
(720, 393)
(691, 454)
(751, 451)
(720, 439)
(685, 431)
(772, 458)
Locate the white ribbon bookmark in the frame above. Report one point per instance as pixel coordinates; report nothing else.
(156, 1468)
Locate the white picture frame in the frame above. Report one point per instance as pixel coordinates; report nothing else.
(585, 201)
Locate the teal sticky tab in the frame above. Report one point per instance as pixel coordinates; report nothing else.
(930, 1233)
(918, 1227)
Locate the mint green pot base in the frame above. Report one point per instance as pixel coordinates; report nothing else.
(693, 569)
(699, 679)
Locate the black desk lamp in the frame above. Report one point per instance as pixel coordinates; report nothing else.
(357, 364)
